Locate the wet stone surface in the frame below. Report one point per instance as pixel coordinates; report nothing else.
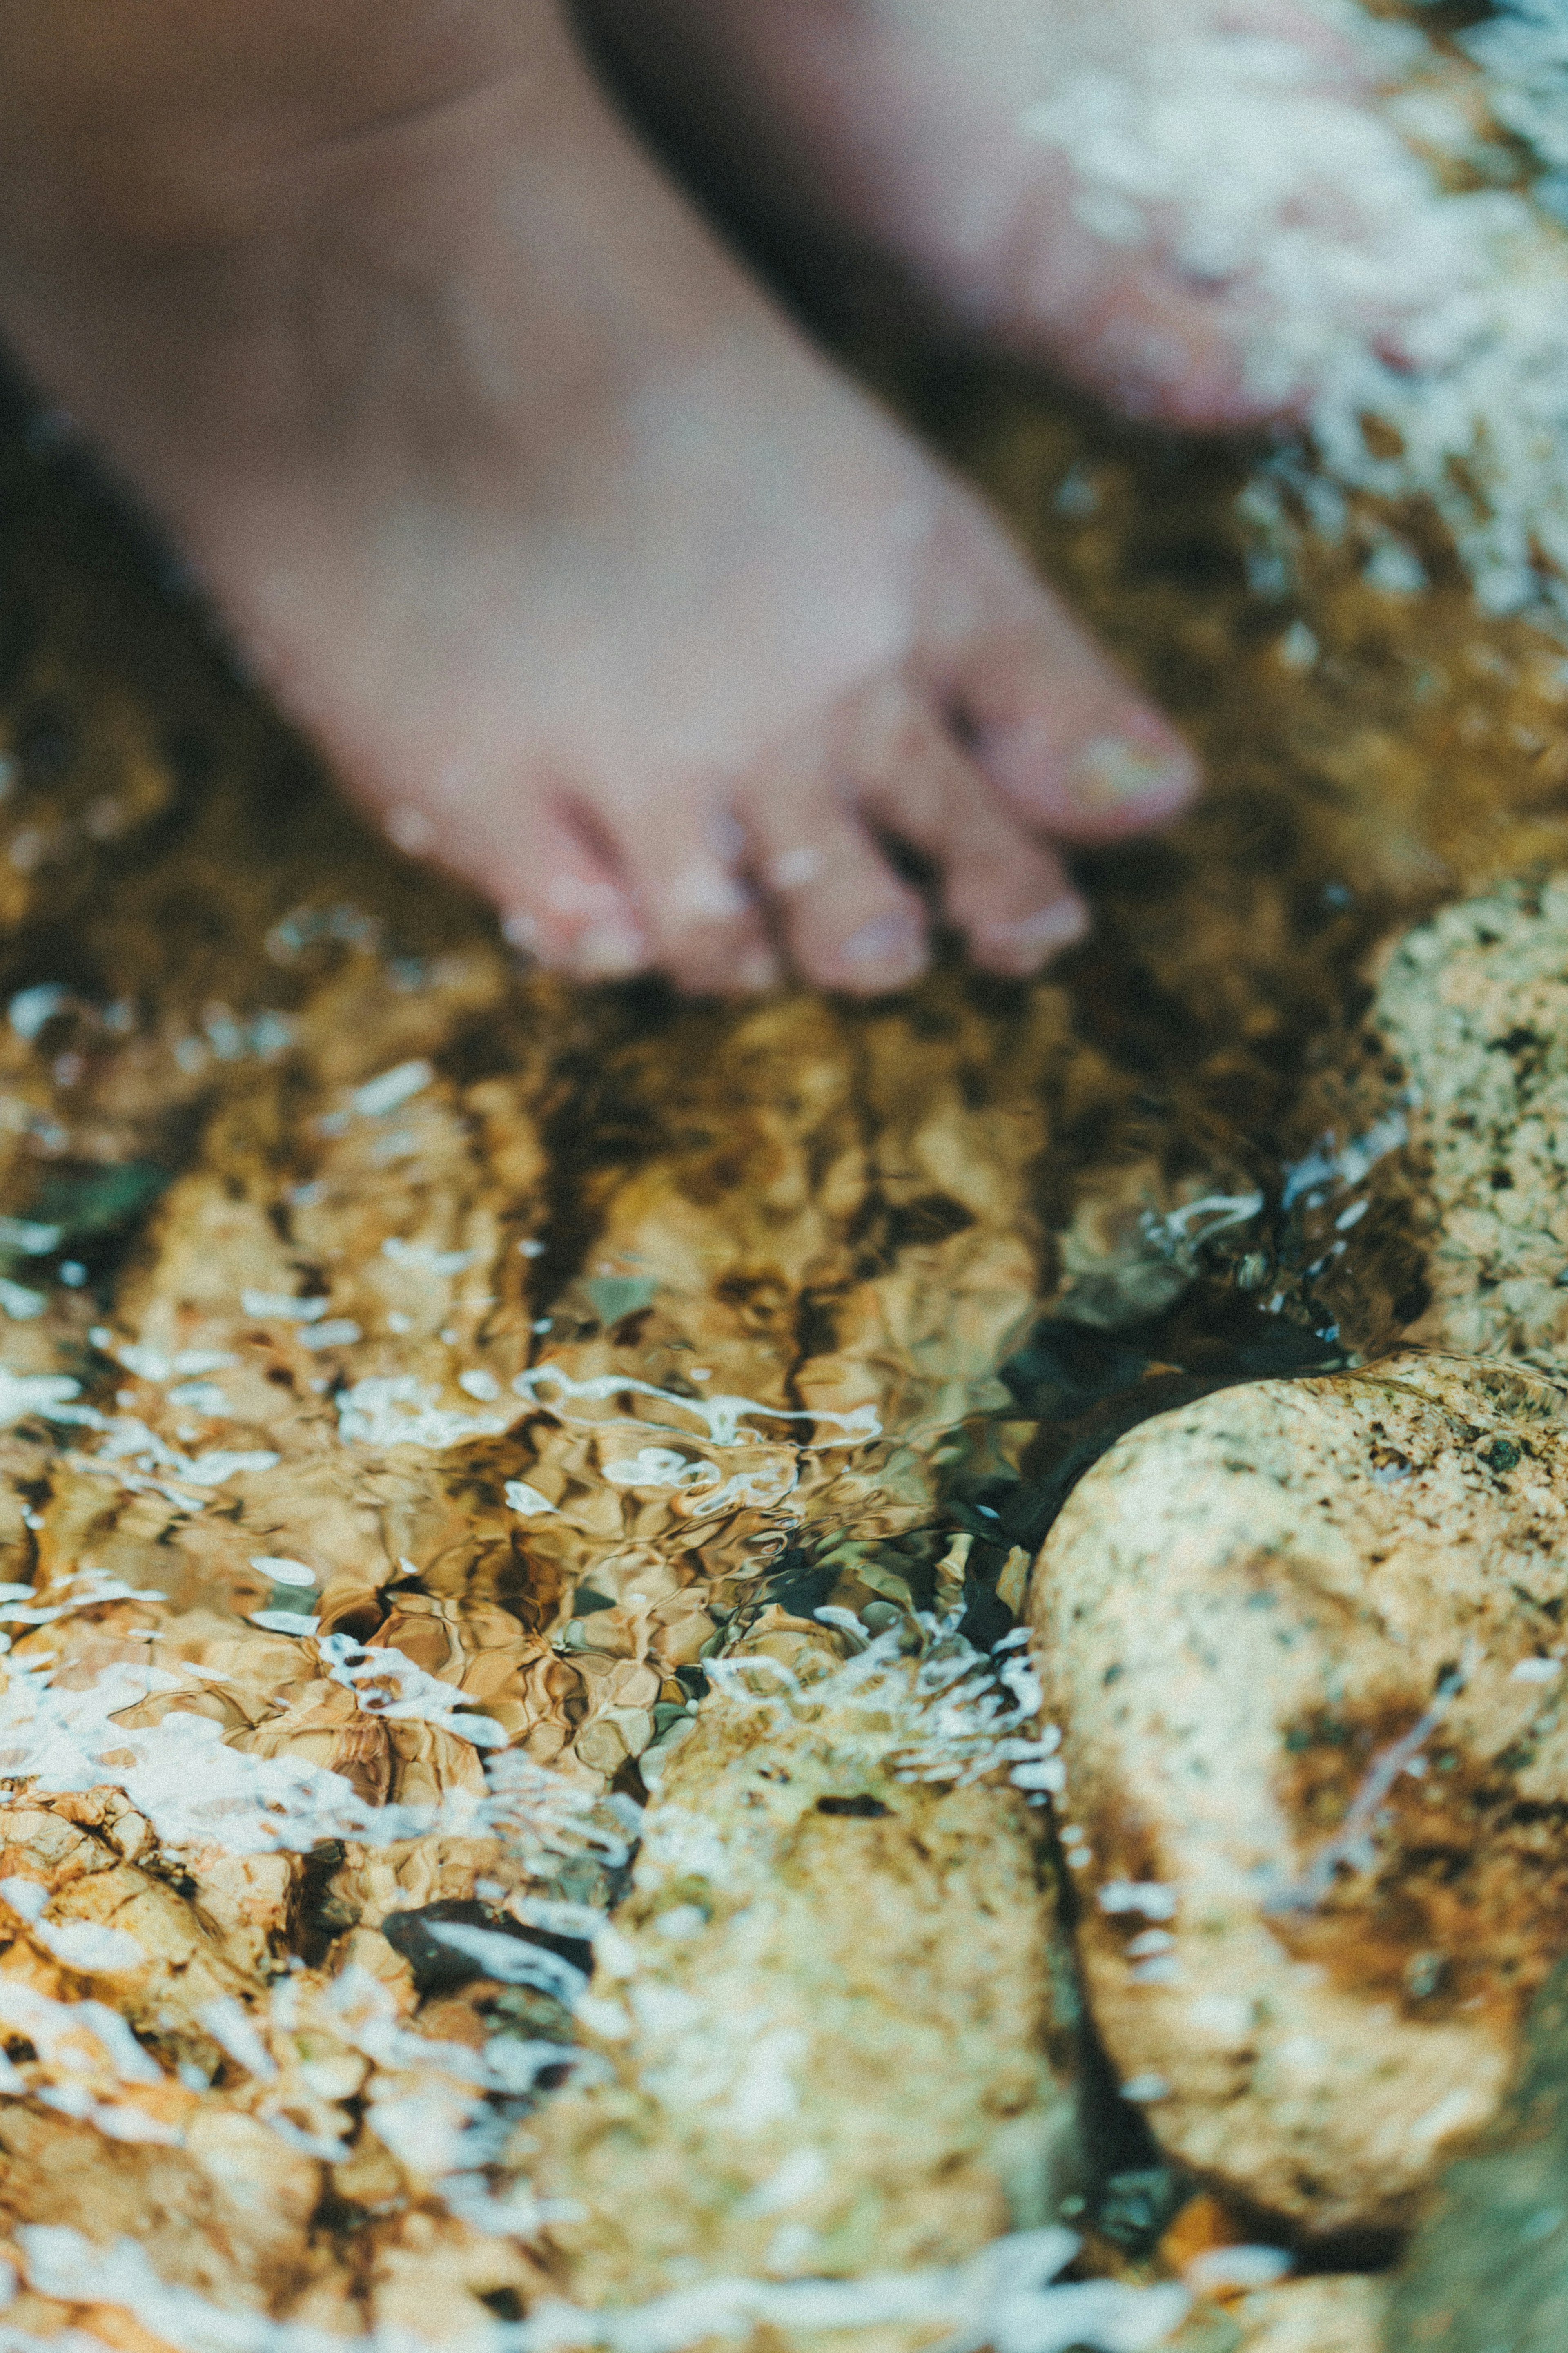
(1490, 2263)
(415, 1372)
(1302, 1640)
(1344, 2314)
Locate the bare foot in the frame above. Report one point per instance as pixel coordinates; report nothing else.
(589, 575)
(1158, 198)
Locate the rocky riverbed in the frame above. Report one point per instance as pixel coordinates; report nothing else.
(879, 1675)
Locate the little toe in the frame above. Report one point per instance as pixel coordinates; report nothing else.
(560, 900)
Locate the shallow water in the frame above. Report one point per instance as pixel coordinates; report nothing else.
(1120, 1188)
(1369, 755)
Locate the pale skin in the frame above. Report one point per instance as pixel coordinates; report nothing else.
(590, 576)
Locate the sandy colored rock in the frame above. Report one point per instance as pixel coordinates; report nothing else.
(1302, 1641)
(1438, 1162)
(1489, 2265)
(327, 1419)
(1335, 2314)
(811, 2066)
(1473, 1007)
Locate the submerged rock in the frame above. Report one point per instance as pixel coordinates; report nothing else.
(1303, 1642)
(1338, 2313)
(835, 2009)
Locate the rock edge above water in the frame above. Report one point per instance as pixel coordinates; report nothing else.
(1298, 1639)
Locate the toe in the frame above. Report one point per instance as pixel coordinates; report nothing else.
(845, 919)
(1125, 326)
(1075, 750)
(1062, 734)
(1149, 266)
(1008, 895)
(1154, 349)
(560, 898)
(706, 929)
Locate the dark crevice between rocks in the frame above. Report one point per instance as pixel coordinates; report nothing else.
(315, 1921)
(1085, 1388)
(440, 1967)
(601, 1127)
(101, 1212)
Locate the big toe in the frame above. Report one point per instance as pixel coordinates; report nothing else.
(1066, 739)
(1059, 730)
(1205, 201)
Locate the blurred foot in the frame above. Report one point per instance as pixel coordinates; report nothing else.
(589, 575)
(1140, 193)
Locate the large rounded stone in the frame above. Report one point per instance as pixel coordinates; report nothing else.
(1303, 1641)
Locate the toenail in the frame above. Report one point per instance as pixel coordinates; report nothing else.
(521, 932)
(1114, 772)
(759, 972)
(894, 942)
(609, 950)
(1027, 945)
(792, 869)
(703, 894)
(411, 829)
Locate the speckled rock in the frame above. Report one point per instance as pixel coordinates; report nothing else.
(1474, 1007)
(1303, 1642)
(811, 2067)
(1486, 2272)
(1338, 2313)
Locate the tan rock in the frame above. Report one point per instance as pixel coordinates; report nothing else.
(1474, 1007)
(230, 2209)
(1340, 2313)
(1303, 1642)
(827, 2010)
